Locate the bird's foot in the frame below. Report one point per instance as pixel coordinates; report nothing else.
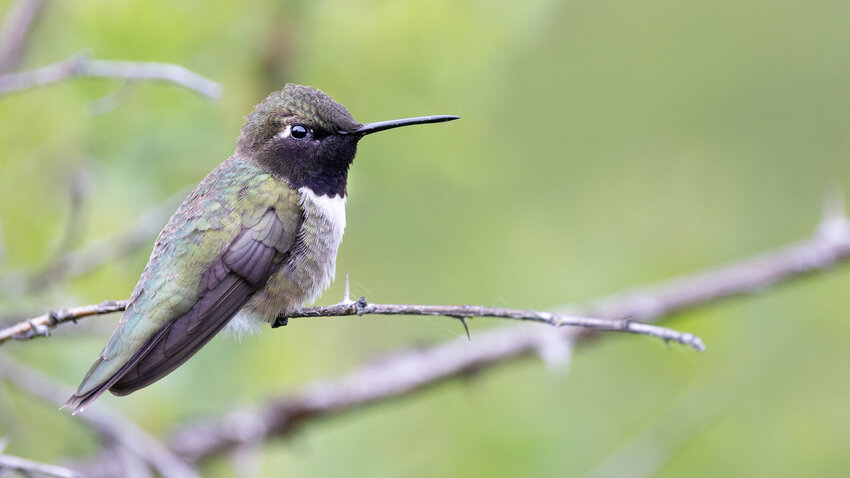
(280, 321)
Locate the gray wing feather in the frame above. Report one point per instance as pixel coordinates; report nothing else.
(243, 269)
(226, 285)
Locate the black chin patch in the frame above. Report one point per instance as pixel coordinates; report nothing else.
(324, 185)
(320, 164)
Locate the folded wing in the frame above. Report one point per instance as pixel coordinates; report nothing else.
(225, 286)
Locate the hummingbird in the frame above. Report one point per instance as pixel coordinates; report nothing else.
(256, 239)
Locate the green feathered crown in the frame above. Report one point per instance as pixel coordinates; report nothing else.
(294, 104)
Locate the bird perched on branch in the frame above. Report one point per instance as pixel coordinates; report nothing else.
(257, 238)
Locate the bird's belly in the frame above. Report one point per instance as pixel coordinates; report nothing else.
(310, 267)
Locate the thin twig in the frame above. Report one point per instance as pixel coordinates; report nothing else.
(41, 325)
(17, 25)
(9, 463)
(361, 307)
(82, 66)
(110, 425)
(417, 370)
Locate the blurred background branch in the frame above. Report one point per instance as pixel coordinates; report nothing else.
(17, 24)
(407, 373)
(114, 429)
(29, 468)
(81, 65)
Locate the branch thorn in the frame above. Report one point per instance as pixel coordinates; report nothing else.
(462, 319)
(346, 296)
(465, 328)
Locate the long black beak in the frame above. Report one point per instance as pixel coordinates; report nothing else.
(370, 128)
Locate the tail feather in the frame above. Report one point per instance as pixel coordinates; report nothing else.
(171, 346)
(79, 401)
(86, 393)
(183, 338)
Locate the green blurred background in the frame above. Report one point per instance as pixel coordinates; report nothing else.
(603, 145)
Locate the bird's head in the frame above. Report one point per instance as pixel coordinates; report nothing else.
(303, 136)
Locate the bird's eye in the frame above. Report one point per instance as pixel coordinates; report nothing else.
(298, 131)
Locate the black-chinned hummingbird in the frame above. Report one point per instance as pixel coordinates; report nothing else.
(257, 238)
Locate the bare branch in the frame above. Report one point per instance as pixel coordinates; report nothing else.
(400, 375)
(829, 247)
(41, 325)
(110, 425)
(82, 66)
(16, 27)
(361, 307)
(410, 372)
(26, 467)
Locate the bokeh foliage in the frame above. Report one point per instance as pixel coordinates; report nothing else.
(603, 145)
